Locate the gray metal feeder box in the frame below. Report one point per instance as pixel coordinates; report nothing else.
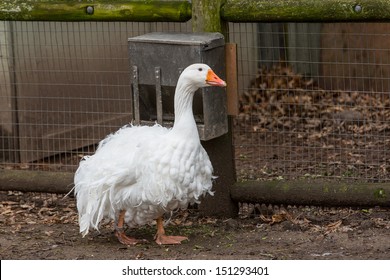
(156, 61)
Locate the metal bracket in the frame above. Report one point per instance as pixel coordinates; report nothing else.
(136, 95)
(159, 108)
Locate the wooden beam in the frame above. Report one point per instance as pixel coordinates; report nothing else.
(305, 10)
(36, 181)
(312, 192)
(231, 79)
(97, 10)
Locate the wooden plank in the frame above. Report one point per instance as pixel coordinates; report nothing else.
(231, 79)
(97, 10)
(312, 192)
(305, 10)
(361, 51)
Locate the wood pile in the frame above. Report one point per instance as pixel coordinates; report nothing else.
(279, 97)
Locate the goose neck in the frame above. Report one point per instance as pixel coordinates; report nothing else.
(184, 118)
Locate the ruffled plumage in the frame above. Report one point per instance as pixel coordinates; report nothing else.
(144, 170)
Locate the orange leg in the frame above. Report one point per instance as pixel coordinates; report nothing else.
(163, 239)
(120, 233)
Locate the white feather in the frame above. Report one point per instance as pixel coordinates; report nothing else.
(146, 170)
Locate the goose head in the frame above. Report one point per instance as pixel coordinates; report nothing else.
(191, 79)
(200, 75)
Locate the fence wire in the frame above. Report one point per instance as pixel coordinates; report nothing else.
(314, 97)
(63, 87)
(314, 101)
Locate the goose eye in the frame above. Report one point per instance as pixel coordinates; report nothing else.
(200, 69)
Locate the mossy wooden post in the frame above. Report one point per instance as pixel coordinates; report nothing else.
(305, 10)
(96, 10)
(205, 18)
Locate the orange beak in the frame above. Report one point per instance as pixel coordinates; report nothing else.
(213, 80)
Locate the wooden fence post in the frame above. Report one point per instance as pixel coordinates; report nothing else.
(206, 18)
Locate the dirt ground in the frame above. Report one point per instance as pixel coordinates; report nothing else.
(44, 226)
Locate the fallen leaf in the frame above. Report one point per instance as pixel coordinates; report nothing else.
(333, 226)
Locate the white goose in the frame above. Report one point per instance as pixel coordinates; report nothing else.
(139, 173)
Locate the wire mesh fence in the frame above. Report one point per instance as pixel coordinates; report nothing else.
(64, 86)
(314, 97)
(314, 101)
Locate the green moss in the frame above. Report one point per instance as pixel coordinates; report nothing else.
(380, 193)
(304, 10)
(285, 187)
(206, 16)
(60, 10)
(343, 188)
